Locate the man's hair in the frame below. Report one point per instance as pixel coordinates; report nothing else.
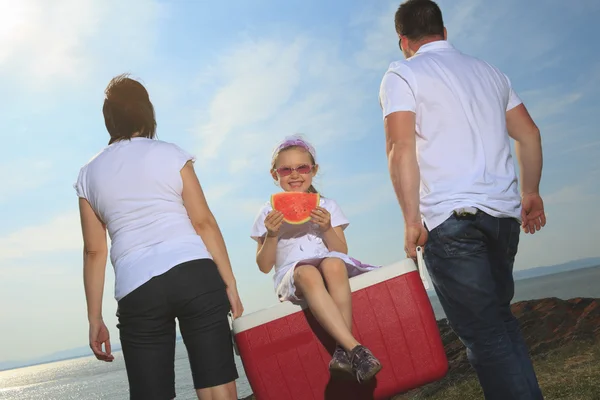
(419, 19)
(127, 109)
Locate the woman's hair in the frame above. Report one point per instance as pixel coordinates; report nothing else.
(127, 110)
(295, 142)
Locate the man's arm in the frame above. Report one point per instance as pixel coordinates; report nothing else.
(398, 103)
(402, 163)
(528, 147)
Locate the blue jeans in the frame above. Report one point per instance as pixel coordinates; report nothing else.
(470, 260)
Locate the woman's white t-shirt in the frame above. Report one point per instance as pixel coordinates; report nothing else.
(135, 187)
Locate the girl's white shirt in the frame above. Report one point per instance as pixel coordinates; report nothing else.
(298, 242)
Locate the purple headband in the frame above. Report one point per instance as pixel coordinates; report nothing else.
(295, 140)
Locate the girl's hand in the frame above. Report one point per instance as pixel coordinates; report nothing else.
(273, 223)
(321, 217)
(98, 336)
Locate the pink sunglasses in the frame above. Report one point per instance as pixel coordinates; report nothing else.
(301, 169)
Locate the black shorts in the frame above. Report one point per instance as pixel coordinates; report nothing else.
(194, 293)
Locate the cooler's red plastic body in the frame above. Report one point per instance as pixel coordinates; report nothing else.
(286, 353)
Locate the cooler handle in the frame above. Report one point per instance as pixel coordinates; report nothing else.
(230, 319)
(421, 267)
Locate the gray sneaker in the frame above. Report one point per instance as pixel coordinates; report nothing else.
(364, 364)
(339, 366)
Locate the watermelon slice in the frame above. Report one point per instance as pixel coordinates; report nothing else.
(295, 206)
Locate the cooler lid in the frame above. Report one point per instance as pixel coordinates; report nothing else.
(356, 283)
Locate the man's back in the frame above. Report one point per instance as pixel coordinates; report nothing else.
(448, 120)
(463, 146)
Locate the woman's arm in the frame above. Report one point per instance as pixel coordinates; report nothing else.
(206, 227)
(95, 252)
(205, 223)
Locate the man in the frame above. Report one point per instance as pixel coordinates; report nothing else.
(448, 118)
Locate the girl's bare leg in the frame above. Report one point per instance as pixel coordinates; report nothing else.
(309, 282)
(336, 278)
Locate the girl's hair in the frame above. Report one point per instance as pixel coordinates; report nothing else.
(127, 110)
(295, 142)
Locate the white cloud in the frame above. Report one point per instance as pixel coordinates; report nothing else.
(62, 232)
(484, 36)
(372, 199)
(21, 175)
(548, 103)
(380, 43)
(47, 42)
(554, 108)
(461, 17)
(583, 147)
(215, 193)
(238, 211)
(259, 77)
(373, 190)
(573, 195)
(271, 88)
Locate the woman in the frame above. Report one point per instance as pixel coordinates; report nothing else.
(168, 254)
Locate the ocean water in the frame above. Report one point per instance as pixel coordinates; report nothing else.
(564, 285)
(89, 379)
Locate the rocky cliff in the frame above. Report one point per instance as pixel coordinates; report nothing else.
(547, 325)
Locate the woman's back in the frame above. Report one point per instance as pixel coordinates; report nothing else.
(135, 188)
(169, 256)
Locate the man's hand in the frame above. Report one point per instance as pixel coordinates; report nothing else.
(414, 235)
(532, 213)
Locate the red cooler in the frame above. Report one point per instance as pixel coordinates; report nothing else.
(286, 353)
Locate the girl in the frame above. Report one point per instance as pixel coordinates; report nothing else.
(310, 259)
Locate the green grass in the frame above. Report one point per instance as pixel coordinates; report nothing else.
(570, 373)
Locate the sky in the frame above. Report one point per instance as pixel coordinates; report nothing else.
(228, 81)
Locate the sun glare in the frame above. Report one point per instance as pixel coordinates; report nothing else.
(13, 16)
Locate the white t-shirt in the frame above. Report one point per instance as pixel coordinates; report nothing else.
(463, 145)
(298, 242)
(135, 187)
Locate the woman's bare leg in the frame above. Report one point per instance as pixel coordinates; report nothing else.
(309, 282)
(226, 391)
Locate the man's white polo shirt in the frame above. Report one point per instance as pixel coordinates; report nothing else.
(463, 147)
